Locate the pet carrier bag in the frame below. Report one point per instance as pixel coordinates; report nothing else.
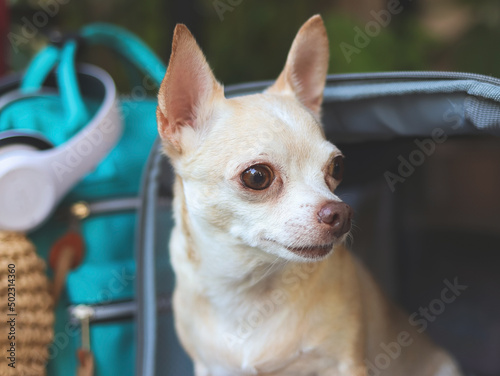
(51, 104)
(414, 177)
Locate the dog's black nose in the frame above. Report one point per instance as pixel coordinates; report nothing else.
(337, 215)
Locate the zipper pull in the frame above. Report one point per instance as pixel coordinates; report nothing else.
(84, 313)
(80, 210)
(68, 251)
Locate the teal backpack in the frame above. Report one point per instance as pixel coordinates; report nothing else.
(103, 206)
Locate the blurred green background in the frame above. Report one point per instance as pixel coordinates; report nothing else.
(247, 40)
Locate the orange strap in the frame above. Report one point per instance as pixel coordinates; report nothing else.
(66, 254)
(86, 360)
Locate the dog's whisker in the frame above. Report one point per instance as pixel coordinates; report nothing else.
(268, 270)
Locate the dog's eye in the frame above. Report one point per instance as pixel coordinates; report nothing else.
(336, 169)
(257, 177)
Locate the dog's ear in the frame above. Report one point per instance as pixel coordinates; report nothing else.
(187, 91)
(306, 67)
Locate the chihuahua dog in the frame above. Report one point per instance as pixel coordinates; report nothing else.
(264, 285)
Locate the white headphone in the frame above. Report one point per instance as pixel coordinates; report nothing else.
(35, 177)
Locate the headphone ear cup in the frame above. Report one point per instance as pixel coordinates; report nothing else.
(27, 191)
(33, 176)
(34, 140)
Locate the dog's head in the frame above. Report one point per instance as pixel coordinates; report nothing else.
(256, 168)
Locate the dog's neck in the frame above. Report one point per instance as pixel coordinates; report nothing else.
(232, 274)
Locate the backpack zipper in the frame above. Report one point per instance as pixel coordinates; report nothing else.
(86, 314)
(250, 87)
(420, 75)
(81, 210)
